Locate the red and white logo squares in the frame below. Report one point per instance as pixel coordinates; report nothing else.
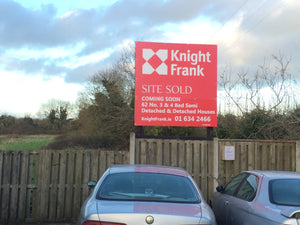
(155, 61)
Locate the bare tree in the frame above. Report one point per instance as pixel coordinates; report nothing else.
(268, 89)
(56, 107)
(261, 101)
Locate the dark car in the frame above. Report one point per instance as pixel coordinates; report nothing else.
(259, 198)
(145, 194)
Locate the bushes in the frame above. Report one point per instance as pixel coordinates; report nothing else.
(76, 141)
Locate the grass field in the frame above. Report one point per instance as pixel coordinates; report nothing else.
(24, 142)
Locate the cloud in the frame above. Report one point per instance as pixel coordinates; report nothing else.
(40, 66)
(245, 31)
(26, 93)
(21, 27)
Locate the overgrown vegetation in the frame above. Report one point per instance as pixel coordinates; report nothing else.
(27, 142)
(106, 110)
(109, 116)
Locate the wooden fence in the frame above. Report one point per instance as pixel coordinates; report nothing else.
(47, 185)
(50, 186)
(203, 159)
(258, 155)
(197, 157)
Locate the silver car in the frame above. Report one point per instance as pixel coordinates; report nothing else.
(145, 194)
(259, 198)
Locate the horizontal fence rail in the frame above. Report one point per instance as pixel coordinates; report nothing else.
(51, 185)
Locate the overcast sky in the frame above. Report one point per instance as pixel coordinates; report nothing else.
(49, 48)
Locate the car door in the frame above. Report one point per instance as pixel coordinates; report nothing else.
(222, 200)
(239, 207)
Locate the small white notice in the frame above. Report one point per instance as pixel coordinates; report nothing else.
(228, 153)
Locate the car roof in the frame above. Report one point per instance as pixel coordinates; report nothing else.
(273, 174)
(143, 168)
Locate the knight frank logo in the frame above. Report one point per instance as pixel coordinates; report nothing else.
(155, 61)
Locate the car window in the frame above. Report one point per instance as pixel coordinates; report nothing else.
(234, 183)
(248, 188)
(148, 187)
(285, 192)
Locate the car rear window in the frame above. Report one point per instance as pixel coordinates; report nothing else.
(148, 187)
(285, 192)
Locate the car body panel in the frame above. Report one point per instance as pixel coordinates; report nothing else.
(136, 212)
(231, 210)
(149, 207)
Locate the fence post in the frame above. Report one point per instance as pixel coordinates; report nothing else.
(132, 148)
(297, 156)
(216, 162)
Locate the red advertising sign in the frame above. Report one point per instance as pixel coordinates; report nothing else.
(175, 85)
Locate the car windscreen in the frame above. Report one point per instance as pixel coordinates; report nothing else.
(148, 187)
(285, 192)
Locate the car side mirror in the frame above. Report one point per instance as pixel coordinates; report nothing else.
(220, 188)
(92, 184)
